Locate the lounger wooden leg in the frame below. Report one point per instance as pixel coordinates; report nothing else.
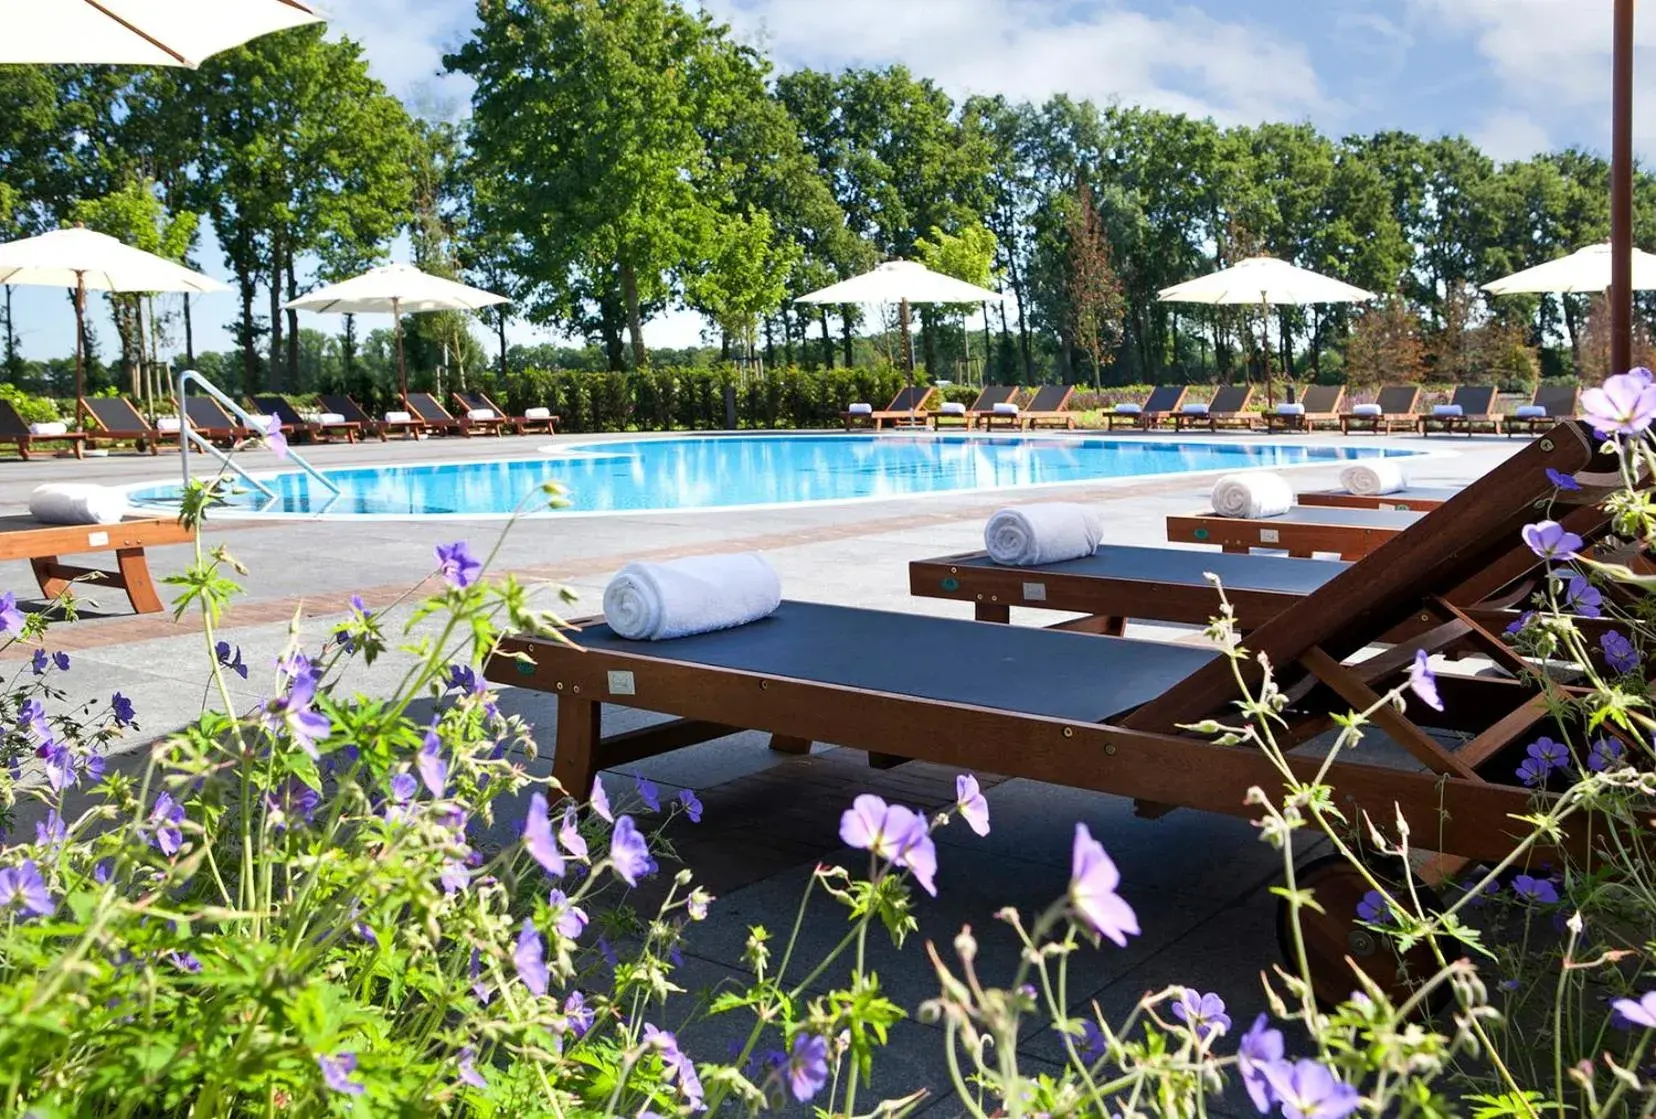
(788, 744)
(50, 574)
(23, 449)
(993, 612)
(1106, 625)
(135, 576)
(574, 754)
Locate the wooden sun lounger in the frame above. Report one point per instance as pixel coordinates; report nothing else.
(1560, 403)
(1302, 531)
(209, 421)
(1477, 405)
(1399, 411)
(24, 538)
(987, 398)
(15, 430)
(479, 402)
(1322, 403)
(1229, 408)
(522, 424)
(908, 408)
(353, 412)
(1162, 401)
(113, 418)
(293, 422)
(1049, 407)
(433, 416)
(1418, 499)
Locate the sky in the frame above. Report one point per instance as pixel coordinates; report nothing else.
(1515, 76)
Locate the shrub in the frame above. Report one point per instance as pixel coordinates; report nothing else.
(33, 409)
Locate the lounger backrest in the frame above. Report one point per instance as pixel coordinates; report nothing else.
(1560, 401)
(272, 405)
(10, 422)
(344, 406)
(475, 400)
(1474, 400)
(114, 413)
(1050, 398)
(1400, 400)
(993, 395)
(1323, 400)
(1463, 537)
(205, 413)
(428, 408)
(911, 399)
(1166, 398)
(1230, 399)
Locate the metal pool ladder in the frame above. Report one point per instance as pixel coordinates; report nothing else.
(187, 436)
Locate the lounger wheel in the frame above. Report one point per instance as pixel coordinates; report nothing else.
(1335, 940)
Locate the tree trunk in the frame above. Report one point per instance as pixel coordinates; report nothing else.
(189, 336)
(822, 312)
(292, 327)
(906, 339)
(928, 341)
(845, 338)
(251, 381)
(988, 346)
(635, 323)
(276, 381)
(787, 337)
(347, 354)
(610, 317)
(1004, 357)
(770, 339)
(500, 332)
(724, 347)
(11, 340)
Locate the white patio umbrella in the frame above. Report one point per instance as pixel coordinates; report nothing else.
(138, 32)
(81, 259)
(1264, 280)
(1585, 271)
(902, 282)
(393, 289)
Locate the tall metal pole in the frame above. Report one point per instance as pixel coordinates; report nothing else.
(1621, 191)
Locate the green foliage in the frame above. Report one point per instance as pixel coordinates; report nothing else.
(33, 409)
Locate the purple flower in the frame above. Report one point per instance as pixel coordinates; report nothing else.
(696, 904)
(648, 793)
(293, 711)
(974, 809)
(233, 663)
(39, 662)
(51, 831)
(1603, 754)
(893, 833)
(1624, 405)
(22, 886)
(807, 1066)
(569, 834)
(1373, 909)
(121, 706)
(32, 717)
(403, 788)
(537, 836)
(1261, 1049)
(1641, 1012)
(457, 565)
(608, 953)
(164, 819)
(1307, 1090)
(1554, 755)
(1093, 1045)
(1551, 540)
(274, 438)
(61, 661)
(1581, 597)
(461, 677)
(11, 618)
(530, 958)
(1204, 1014)
(429, 761)
(452, 876)
(677, 1067)
(1538, 890)
(692, 805)
(465, 1071)
(1092, 891)
(629, 854)
(475, 973)
(580, 1015)
(1533, 772)
(293, 799)
(1619, 652)
(600, 801)
(1561, 480)
(336, 1073)
(1513, 629)
(571, 920)
(185, 962)
(1422, 683)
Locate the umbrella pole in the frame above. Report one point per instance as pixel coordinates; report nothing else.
(908, 346)
(1621, 191)
(402, 371)
(80, 336)
(1265, 345)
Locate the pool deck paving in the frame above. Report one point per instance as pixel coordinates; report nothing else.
(1198, 882)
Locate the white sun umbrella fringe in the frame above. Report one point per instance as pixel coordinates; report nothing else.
(1583, 272)
(1265, 281)
(138, 32)
(85, 261)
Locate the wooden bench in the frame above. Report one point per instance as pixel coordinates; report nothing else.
(24, 538)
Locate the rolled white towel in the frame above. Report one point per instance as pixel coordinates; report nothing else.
(1367, 410)
(1196, 409)
(537, 413)
(860, 409)
(76, 503)
(1007, 409)
(329, 418)
(482, 414)
(1050, 532)
(1530, 412)
(1286, 409)
(1375, 476)
(699, 594)
(1252, 495)
(952, 408)
(398, 417)
(311, 417)
(50, 427)
(1448, 410)
(1129, 409)
(167, 423)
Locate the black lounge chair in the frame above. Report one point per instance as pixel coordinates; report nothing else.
(346, 406)
(15, 430)
(1302, 531)
(908, 407)
(480, 401)
(1476, 404)
(1164, 400)
(433, 415)
(987, 398)
(1398, 410)
(1229, 408)
(293, 422)
(113, 418)
(1318, 403)
(1556, 402)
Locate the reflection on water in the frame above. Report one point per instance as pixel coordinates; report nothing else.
(703, 471)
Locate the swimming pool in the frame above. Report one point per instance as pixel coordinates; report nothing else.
(719, 471)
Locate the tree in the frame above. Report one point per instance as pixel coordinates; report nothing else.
(1385, 346)
(1094, 300)
(968, 255)
(747, 275)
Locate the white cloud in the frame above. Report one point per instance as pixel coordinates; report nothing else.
(1508, 136)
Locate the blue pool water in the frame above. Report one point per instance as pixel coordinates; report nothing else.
(699, 472)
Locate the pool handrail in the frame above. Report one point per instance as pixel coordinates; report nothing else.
(187, 435)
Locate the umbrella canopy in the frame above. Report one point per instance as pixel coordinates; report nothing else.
(1583, 271)
(81, 259)
(139, 32)
(1264, 279)
(902, 281)
(393, 289)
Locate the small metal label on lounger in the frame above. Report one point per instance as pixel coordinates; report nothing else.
(97, 539)
(1034, 592)
(621, 683)
(1269, 536)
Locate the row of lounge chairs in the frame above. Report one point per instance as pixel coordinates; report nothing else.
(997, 406)
(1080, 705)
(114, 419)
